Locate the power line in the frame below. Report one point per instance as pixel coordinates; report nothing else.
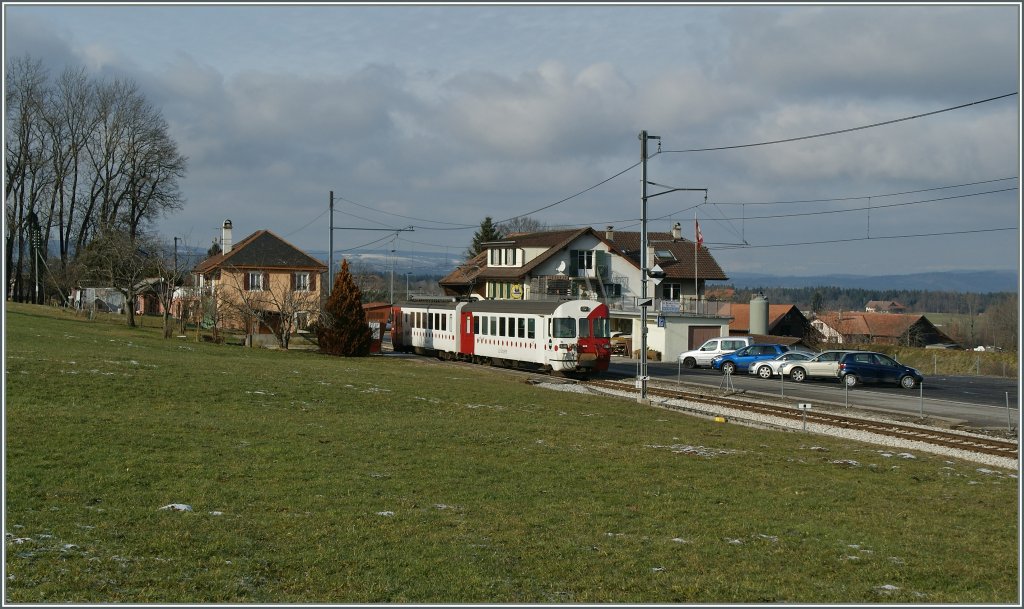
(871, 207)
(460, 226)
(602, 182)
(894, 194)
(322, 214)
(808, 137)
(832, 241)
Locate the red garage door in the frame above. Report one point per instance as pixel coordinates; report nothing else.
(698, 335)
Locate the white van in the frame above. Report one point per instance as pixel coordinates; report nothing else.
(701, 358)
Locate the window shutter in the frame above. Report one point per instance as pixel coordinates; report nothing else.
(247, 286)
(604, 264)
(574, 261)
(266, 281)
(312, 282)
(293, 281)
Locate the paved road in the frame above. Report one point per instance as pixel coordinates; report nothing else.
(980, 401)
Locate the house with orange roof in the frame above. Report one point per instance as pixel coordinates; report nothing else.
(854, 327)
(782, 320)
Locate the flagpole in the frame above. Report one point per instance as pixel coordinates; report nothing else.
(696, 246)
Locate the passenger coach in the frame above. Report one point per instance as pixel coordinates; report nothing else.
(564, 336)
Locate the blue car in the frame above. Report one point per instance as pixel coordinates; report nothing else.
(741, 359)
(870, 367)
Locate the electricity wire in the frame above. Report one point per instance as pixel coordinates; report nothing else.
(833, 241)
(840, 131)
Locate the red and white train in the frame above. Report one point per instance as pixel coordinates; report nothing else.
(566, 336)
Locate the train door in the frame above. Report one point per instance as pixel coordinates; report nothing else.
(397, 340)
(466, 336)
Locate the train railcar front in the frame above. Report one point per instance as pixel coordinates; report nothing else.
(583, 326)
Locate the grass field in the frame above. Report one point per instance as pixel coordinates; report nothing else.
(319, 479)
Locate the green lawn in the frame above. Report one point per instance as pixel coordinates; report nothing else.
(319, 479)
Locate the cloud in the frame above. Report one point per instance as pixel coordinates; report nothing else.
(502, 110)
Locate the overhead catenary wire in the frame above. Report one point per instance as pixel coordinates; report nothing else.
(875, 238)
(870, 206)
(841, 131)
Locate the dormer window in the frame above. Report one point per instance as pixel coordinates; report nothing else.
(503, 256)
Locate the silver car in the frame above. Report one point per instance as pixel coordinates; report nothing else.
(766, 369)
(823, 365)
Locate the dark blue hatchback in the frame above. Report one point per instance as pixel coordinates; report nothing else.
(869, 367)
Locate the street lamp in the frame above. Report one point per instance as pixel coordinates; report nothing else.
(407, 273)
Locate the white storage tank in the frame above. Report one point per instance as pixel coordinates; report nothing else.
(759, 314)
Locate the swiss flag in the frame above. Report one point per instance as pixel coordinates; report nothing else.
(700, 237)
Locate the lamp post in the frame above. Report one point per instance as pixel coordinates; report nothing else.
(407, 273)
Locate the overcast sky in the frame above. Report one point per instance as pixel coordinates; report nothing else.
(437, 116)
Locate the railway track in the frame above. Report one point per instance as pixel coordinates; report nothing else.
(935, 437)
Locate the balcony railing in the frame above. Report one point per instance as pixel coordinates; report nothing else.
(686, 307)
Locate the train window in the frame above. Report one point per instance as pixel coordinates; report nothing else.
(501, 326)
(444, 323)
(563, 327)
(584, 327)
(476, 324)
(494, 326)
(521, 323)
(532, 328)
(602, 328)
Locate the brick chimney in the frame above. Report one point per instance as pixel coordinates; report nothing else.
(609, 234)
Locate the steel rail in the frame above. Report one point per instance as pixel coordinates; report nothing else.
(933, 436)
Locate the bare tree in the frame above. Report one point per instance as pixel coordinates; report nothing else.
(521, 224)
(122, 262)
(87, 158)
(26, 164)
(171, 271)
(276, 301)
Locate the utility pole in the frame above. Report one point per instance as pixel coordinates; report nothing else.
(645, 272)
(330, 254)
(642, 373)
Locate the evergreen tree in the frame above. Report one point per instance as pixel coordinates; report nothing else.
(343, 329)
(488, 232)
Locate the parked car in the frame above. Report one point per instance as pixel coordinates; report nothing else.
(769, 368)
(741, 359)
(701, 357)
(869, 367)
(823, 365)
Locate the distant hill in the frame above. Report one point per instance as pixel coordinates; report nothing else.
(948, 281)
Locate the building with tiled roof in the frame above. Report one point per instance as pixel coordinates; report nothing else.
(607, 266)
(783, 320)
(884, 306)
(261, 284)
(878, 328)
(584, 261)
